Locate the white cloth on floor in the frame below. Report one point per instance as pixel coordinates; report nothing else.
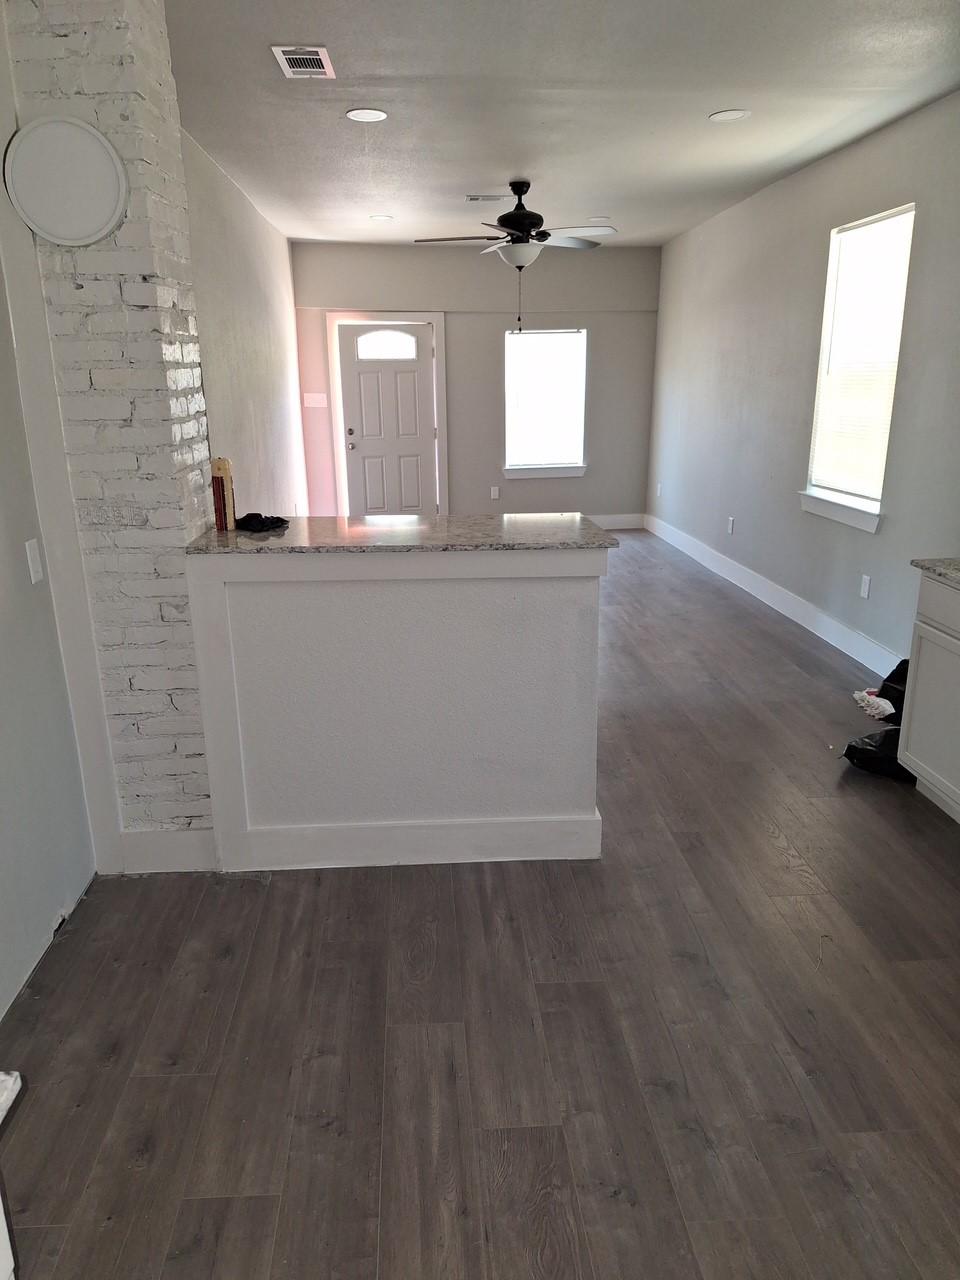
(877, 708)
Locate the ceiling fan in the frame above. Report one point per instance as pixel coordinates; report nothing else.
(522, 233)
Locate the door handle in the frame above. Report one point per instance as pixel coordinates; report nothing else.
(351, 445)
(349, 431)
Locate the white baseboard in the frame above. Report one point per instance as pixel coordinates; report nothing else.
(136, 852)
(876, 657)
(634, 521)
(382, 844)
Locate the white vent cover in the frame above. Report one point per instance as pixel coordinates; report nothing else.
(485, 199)
(304, 61)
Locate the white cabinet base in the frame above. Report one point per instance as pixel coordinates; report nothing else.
(939, 798)
(930, 734)
(381, 708)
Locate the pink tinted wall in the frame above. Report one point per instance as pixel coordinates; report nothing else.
(317, 422)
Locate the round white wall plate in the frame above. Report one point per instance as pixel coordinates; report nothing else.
(66, 180)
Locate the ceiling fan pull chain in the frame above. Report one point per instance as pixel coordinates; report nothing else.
(519, 299)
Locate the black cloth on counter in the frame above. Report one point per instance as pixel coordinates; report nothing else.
(254, 522)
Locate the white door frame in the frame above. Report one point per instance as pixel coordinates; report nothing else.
(337, 318)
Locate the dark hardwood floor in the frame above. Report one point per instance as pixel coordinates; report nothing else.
(730, 1049)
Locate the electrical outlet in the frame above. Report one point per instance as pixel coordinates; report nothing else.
(865, 587)
(729, 524)
(659, 489)
(495, 491)
(34, 563)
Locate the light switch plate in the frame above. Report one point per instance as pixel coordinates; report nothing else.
(34, 561)
(314, 399)
(494, 491)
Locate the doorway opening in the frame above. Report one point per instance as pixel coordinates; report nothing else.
(388, 396)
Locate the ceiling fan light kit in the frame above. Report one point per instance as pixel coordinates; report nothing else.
(516, 255)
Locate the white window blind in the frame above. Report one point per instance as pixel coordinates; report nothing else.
(544, 383)
(859, 350)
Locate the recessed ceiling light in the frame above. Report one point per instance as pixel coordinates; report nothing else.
(366, 115)
(381, 217)
(729, 116)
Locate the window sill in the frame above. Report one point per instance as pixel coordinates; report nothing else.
(859, 513)
(542, 473)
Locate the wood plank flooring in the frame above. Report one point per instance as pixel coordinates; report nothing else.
(731, 1049)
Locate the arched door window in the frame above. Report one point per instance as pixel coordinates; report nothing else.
(386, 344)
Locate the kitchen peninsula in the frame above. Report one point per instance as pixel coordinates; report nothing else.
(400, 689)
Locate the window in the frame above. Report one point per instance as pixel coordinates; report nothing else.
(545, 373)
(859, 350)
(386, 344)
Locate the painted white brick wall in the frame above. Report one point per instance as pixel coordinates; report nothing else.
(123, 329)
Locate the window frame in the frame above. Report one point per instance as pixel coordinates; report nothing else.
(848, 508)
(548, 471)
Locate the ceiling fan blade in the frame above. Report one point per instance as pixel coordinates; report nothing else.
(448, 239)
(493, 247)
(568, 242)
(583, 231)
(496, 227)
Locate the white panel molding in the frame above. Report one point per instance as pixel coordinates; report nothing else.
(635, 521)
(873, 655)
(388, 566)
(378, 844)
(138, 852)
(312, 827)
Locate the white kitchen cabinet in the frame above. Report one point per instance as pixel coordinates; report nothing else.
(930, 736)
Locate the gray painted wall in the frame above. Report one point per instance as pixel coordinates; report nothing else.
(46, 859)
(246, 318)
(610, 292)
(741, 303)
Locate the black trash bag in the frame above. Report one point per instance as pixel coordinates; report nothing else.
(877, 753)
(894, 689)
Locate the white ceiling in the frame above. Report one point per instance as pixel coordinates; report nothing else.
(602, 105)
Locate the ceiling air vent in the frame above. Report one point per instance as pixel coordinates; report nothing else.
(485, 199)
(304, 62)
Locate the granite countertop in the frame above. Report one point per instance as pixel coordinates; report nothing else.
(563, 531)
(948, 569)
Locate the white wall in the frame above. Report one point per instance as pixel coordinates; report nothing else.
(241, 267)
(610, 292)
(46, 858)
(741, 304)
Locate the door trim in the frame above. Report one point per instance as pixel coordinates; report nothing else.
(334, 319)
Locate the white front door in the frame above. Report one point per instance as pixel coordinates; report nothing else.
(389, 418)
